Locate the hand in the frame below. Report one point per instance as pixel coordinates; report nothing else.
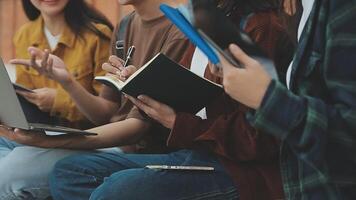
(23, 137)
(156, 110)
(43, 98)
(247, 85)
(115, 68)
(46, 64)
(215, 69)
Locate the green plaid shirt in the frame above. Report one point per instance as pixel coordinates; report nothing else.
(316, 118)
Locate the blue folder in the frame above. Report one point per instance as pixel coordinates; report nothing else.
(190, 32)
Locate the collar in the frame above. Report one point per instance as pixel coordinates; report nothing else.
(307, 8)
(304, 41)
(38, 37)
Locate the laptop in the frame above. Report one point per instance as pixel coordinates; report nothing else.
(12, 114)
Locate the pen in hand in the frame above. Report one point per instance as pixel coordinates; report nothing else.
(130, 53)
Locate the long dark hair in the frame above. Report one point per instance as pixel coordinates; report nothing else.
(78, 15)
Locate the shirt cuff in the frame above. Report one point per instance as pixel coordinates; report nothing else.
(184, 131)
(280, 112)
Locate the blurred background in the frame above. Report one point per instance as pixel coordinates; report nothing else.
(12, 17)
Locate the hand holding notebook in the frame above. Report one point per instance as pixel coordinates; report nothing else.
(212, 32)
(166, 81)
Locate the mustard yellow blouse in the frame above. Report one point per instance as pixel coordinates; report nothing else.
(83, 56)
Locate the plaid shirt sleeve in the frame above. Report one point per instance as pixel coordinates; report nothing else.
(304, 118)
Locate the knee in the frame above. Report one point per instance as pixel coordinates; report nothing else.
(70, 174)
(13, 182)
(61, 175)
(7, 180)
(126, 184)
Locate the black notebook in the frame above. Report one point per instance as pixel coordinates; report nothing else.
(168, 82)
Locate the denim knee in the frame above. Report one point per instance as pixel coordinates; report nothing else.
(147, 184)
(63, 176)
(75, 177)
(124, 185)
(15, 185)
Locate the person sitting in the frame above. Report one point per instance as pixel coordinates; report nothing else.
(65, 28)
(245, 161)
(22, 178)
(314, 115)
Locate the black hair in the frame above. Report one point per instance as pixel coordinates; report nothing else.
(78, 15)
(248, 6)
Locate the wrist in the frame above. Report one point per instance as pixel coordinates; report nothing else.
(171, 122)
(68, 84)
(266, 94)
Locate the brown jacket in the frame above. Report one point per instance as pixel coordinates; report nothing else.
(249, 156)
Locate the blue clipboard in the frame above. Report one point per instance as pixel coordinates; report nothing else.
(189, 31)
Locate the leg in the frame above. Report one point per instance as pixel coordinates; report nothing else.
(25, 170)
(148, 184)
(77, 177)
(6, 146)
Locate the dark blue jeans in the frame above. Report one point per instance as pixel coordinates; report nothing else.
(105, 176)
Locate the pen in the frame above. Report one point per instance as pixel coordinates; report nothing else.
(170, 167)
(129, 55)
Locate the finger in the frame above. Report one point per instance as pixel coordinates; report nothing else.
(21, 92)
(141, 105)
(18, 131)
(50, 66)
(116, 61)
(44, 61)
(34, 63)
(5, 131)
(241, 56)
(36, 51)
(135, 101)
(128, 71)
(213, 69)
(26, 94)
(5, 128)
(25, 62)
(111, 69)
(26, 132)
(31, 97)
(150, 102)
(40, 90)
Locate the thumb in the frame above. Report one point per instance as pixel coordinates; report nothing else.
(245, 60)
(129, 70)
(16, 61)
(36, 52)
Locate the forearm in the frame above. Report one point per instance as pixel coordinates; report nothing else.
(304, 122)
(111, 135)
(97, 109)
